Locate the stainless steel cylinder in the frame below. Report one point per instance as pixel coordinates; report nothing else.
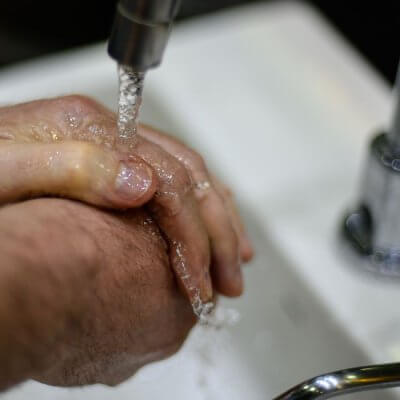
(141, 31)
(374, 228)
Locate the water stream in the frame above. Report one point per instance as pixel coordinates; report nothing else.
(130, 99)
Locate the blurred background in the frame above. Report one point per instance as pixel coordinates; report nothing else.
(34, 28)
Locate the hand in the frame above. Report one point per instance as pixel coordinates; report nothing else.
(86, 296)
(67, 146)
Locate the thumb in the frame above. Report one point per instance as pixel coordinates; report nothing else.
(77, 170)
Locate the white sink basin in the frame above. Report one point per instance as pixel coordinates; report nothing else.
(282, 107)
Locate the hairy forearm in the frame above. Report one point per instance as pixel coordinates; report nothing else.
(43, 289)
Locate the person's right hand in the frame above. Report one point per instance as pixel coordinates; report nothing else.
(67, 146)
(86, 296)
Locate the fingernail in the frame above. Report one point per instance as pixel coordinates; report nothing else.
(133, 180)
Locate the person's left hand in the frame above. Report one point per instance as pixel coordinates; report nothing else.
(86, 295)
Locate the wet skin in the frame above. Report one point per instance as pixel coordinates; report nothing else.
(87, 296)
(65, 147)
(115, 303)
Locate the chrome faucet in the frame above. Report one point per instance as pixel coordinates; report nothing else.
(346, 381)
(374, 227)
(141, 31)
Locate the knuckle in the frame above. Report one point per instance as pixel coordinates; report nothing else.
(176, 184)
(193, 160)
(173, 173)
(79, 103)
(191, 157)
(83, 118)
(198, 161)
(182, 177)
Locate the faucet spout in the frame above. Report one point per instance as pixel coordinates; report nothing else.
(141, 31)
(346, 381)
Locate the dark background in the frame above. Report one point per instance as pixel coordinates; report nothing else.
(30, 28)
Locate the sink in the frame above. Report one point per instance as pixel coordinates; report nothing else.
(283, 108)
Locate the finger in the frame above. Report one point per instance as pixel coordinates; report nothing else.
(176, 212)
(76, 170)
(227, 276)
(198, 170)
(246, 248)
(226, 272)
(76, 118)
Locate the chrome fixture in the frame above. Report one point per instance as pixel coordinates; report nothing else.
(141, 31)
(346, 381)
(374, 227)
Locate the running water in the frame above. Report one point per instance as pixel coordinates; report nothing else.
(203, 311)
(206, 313)
(130, 99)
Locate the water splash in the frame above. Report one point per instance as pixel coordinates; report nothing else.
(211, 316)
(130, 99)
(212, 344)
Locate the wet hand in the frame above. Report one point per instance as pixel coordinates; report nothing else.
(89, 298)
(62, 147)
(202, 197)
(68, 147)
